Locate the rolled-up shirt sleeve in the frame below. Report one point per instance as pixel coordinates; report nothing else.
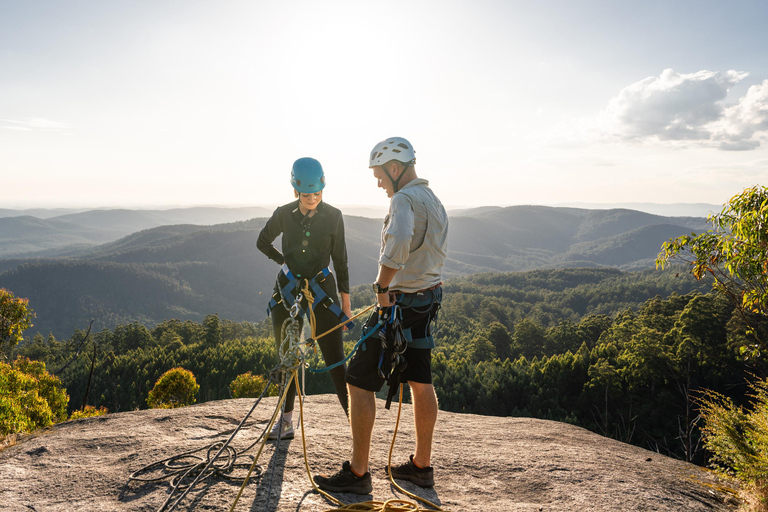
(397, 233)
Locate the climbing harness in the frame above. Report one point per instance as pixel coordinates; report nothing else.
(192, 465)
(296, 286)
(393, 344)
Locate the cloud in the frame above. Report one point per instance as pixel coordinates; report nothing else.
(35, 123)
(672, 106)
(745, 124)
(689, 108)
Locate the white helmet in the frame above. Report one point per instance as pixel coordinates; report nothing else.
(394, 148)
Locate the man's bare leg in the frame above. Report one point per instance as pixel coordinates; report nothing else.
(424, 417)
(362, 416)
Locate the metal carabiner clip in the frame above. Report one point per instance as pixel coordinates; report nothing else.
(296, 305)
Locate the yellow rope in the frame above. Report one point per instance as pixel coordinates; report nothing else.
(310, 301)
(263, 443)
(312, 322)
(393, 505)
(389, 460)
(349, 320)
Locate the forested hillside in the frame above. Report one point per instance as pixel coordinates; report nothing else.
(187, 271)
(624, 354)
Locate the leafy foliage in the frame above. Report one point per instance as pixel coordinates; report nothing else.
(30, 397)
(87, 412)
(248, 385)
(15, 317)
(175, 388)
(738, 438)
(734, 252)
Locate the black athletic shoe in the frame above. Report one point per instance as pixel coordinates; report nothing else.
(345, 481)
(423, 477)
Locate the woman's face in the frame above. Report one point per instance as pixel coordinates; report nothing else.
(311, 200)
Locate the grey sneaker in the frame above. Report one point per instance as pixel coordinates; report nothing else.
(345, 481)
(282, 429)
(423, 477)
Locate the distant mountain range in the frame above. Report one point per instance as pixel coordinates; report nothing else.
(40, 232)
(186, 270)
(36, 234)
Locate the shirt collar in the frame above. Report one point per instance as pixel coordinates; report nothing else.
(415, 183)
(295, 210)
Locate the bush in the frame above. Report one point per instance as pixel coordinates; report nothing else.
(738, 440)
(15, 316)
(88, 411)
(30, 397)
(248, 385)
(175, 388)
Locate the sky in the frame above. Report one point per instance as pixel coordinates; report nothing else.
(170, 103)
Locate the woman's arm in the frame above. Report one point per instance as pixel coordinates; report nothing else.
(269, 233)
(339, 256)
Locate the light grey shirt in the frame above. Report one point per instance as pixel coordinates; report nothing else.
(414, 237)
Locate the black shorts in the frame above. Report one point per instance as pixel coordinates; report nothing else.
(363, 368)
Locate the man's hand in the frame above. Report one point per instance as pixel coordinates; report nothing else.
(386, 274)
(385, 299)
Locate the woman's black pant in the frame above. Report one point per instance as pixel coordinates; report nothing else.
(331, 346)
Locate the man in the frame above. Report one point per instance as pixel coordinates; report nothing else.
(413, 249)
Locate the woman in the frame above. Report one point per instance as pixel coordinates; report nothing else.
(313, 235)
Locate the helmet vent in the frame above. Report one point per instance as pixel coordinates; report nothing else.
(401, 145)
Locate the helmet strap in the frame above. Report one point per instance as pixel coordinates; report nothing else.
(395, 183)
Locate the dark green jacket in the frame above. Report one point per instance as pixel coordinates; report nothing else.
(308, 245)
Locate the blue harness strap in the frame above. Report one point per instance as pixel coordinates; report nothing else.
(318, 292)
(360, 342)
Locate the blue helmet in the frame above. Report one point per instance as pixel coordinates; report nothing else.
(307, 176)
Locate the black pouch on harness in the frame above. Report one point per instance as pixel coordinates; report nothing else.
(393, 344)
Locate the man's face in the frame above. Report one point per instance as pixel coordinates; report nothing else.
(383, 181)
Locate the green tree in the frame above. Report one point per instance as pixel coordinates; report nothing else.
(175, 388)
(482, 348)
(499, 337)
(734, 252)
(212, 327)
(528, 339)
(603, 375)
(131, 336)
(30, 397)
(15, 317)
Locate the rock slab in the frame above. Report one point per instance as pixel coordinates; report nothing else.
(481, 463)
